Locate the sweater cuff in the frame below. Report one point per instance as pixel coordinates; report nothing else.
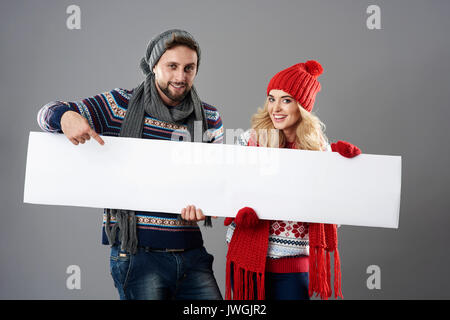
(55, 118)
(288, 264)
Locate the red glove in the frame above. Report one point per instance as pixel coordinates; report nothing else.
(345, 149)
(246, 217)
(228, 221)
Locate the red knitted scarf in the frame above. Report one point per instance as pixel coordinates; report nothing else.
(246, 258)
(246, 261)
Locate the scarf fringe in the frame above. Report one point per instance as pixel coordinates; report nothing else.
(337, 276)
(124, 228)
(320, 273)
(243, 287)
(328, 270)
(312, 271)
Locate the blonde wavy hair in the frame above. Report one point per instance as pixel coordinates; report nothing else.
(310, 131)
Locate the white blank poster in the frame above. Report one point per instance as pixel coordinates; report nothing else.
(166, 176)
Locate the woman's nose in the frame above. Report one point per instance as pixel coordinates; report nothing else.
(277, 106)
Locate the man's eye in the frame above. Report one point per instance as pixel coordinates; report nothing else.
(172, 66)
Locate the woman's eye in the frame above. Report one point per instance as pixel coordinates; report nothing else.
(287, 101)
(271, 99)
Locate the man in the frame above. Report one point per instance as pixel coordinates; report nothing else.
(154, 255)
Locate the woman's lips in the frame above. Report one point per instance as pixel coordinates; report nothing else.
(279, 117)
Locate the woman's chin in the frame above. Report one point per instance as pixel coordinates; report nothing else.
(278, 126)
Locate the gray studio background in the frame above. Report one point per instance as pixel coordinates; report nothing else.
(386, 91)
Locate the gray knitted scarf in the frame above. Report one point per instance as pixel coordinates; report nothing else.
(146, 100)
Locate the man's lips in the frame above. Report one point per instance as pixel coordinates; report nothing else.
(177, 86)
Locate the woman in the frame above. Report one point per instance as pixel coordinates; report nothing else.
(285, 259)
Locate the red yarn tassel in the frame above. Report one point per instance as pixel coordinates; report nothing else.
(245, 285)
(322, 274)
(251, 295)
(329, 292)
(238, 284)
(312, 271)
(228, 281)
(235, 282)
(323, 239)
(337, 275)
(261, 288)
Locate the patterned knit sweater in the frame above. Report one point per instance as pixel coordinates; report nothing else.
(288, 249)
(105, 113)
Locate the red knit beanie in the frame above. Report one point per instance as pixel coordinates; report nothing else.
(300, 81)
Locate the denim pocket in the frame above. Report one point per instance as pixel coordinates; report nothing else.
(204, 261)
(120, 263)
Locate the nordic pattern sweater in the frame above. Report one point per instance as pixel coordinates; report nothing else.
(105, 113)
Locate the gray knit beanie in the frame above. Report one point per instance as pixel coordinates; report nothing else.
(157, 47)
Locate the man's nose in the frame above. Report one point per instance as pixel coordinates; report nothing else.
(180, 75)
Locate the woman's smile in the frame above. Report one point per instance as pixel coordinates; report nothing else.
(279, 117)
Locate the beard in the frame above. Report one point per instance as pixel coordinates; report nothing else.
(178, 97)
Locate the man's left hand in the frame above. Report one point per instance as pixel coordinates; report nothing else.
(191, 213)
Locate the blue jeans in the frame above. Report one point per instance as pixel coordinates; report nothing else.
(283, 286)
(154, 275)
(287, 286)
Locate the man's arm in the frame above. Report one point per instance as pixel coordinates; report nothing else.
(77, 129)
(214, 121)
(87, 118)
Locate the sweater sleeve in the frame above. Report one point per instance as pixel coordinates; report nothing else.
(95, 109)
(230, 231)
(215, 126)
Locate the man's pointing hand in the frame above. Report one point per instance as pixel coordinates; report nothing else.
(77, 129)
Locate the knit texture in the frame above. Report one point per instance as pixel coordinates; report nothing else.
(288, 264)
(300, 81)
(286, 239)
(345, 149)
(156, 48)
(247, 257)
(105, 113)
